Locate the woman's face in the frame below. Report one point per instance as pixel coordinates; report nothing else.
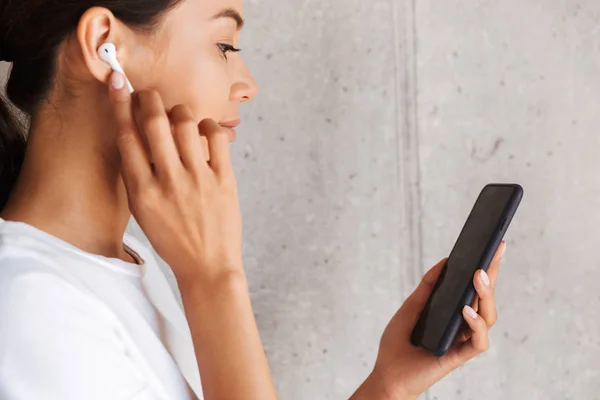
(190, 64)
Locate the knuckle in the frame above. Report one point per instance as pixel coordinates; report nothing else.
(182, 112)
(153, 122)
(481, 324)
(172, 196)
(197, 176)
(150, 198)
(143, 197)
(120, 98)
(209, 127)
(484, 291)
(134, 192)
(485, 346)
(125, 136)
(493, 318)
(228, 183)
(171, 184)
(186, 125)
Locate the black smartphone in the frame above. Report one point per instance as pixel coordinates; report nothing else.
(477, 243)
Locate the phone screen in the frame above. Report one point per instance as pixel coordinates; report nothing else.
(464, 260)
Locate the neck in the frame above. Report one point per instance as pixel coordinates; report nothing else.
(70, 183)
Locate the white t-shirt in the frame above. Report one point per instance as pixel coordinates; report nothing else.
(79, 326)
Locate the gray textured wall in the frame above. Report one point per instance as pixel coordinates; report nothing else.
(376, 125)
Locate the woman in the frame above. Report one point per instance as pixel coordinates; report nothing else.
(86, 313)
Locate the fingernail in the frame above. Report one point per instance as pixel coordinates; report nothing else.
(116, 80)
(470, 312)
(484, 278)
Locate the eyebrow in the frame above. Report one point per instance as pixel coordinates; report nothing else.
(230, 13)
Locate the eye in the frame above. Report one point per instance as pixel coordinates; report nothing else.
(226, 48)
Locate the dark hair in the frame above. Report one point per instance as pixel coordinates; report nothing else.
(30, 33)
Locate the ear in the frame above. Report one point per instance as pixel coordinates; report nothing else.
(97, 26)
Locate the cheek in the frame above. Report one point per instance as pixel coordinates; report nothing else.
(203, 86)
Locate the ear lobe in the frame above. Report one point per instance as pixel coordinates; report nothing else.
(97, 26)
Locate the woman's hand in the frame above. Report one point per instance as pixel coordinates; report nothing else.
(403, 371)
(187, 206)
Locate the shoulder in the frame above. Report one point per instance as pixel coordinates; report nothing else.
(34, 293)
(57, 341)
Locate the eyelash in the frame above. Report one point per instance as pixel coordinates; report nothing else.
(227, 47)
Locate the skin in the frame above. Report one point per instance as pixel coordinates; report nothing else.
(403, 371)
(70, 183)
(163, 149)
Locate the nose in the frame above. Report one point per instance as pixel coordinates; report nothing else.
(245, 88)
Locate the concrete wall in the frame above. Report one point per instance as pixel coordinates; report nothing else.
(377, 124)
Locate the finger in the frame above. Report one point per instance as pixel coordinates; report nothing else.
(465, 336)
(495, 264)
(479, 340)
(464, 333)
(218, 146)
(492, 272)
(187, 138)
(135, 163)
(487, 301)
(475, 303)
(419, 297)
(157, 129)
(414, 304)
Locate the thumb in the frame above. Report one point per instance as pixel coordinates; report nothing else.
(415, 303)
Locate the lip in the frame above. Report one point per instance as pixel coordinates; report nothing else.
(232, 123)
(230, 127)
(232, 133)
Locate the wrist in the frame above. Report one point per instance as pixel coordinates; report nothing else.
(375, 388)
(195, 273)
(389, 387)
(230, 281)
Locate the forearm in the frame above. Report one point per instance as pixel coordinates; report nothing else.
(230, 355)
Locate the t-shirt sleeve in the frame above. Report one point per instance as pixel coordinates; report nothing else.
(56, 342)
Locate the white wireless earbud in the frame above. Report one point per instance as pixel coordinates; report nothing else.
(108, 52)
